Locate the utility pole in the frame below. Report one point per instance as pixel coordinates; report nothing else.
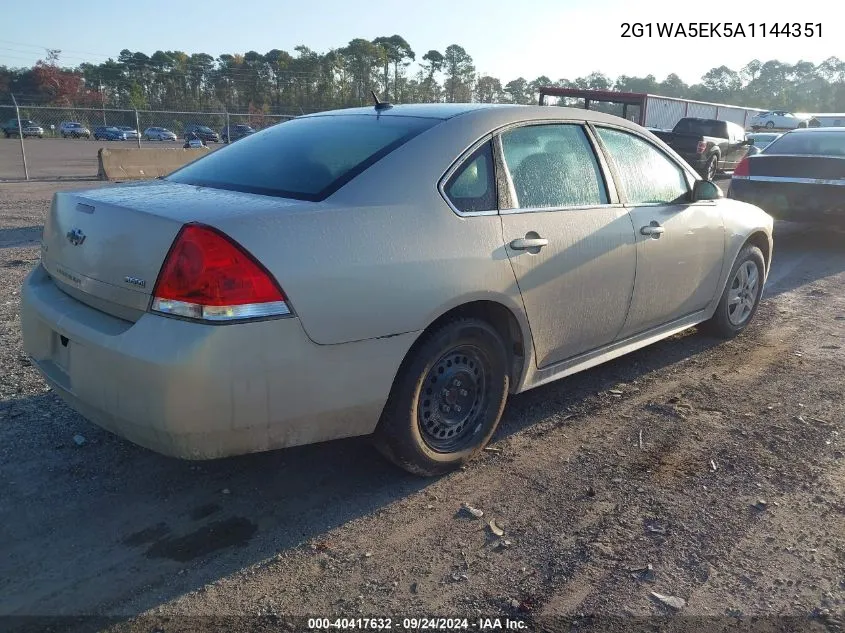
(20, 135)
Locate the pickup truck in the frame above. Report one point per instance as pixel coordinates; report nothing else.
(708, 145)
(29, 128)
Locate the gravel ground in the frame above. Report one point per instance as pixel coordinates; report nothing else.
(719, 464)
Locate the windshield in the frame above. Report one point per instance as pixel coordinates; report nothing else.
(306, 159)
(809, 144)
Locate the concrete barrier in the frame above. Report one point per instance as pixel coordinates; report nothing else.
(141, 164)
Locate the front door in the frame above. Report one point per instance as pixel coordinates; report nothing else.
(573, 252)
(680, 245)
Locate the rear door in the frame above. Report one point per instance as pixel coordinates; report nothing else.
(680, 245)
(570, 243)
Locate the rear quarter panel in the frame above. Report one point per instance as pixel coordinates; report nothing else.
(385, 254)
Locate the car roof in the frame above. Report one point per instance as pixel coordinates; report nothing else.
(816, 130)
(498, 113)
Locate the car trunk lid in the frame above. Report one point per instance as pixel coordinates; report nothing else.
(105, 247)
(786, 168)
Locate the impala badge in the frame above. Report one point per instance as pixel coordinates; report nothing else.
(135, 281)
(75, 237)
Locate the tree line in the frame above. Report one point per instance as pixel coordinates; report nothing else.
(280, 82)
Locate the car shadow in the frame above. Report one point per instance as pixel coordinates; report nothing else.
(105, 520)
(804, 253)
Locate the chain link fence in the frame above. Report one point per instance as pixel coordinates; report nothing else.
(42, 142)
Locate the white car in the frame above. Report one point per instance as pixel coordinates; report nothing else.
(73, 129)
(778, 119)
(131, 132)
(159, 134)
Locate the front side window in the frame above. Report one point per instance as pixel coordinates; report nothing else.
(553, 166)
(647, 175)
(473, 185)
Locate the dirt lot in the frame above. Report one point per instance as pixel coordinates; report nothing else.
(720, 464)
(57, 158)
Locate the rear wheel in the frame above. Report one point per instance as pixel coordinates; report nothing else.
(447, 399)
(770, 124)
(741, 296)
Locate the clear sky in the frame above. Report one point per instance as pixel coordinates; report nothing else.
(507, 39)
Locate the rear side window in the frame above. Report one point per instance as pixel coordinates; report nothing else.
(809, 143)
(647, 175)
(306, 159)
(473, 185)
(553, 166)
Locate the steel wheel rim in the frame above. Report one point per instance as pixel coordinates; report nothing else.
(742, 295)
(453, 398)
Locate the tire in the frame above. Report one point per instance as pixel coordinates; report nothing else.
(711, 168)
(770, 124)
(462, 364)
(726, 322)
(7, 134)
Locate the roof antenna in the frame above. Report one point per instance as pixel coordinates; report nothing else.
(380, 105)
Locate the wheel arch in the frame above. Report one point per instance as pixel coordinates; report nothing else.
(757, 237)
(508, 323)
(761, 241)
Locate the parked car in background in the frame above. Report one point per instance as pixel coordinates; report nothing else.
(73, 129)
(27, 128)
(777, 119)
(829, 119)
(709, 145)
(798, 177)
(395, 271)
(763, 139)
(131, 133)
(107, 133)
(235, 132)
(159, 134)
(203, 131)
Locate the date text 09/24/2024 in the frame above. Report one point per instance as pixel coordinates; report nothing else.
(722, 29)
(416, 624)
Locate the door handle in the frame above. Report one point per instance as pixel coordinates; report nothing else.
(654, 229)
(525, 243)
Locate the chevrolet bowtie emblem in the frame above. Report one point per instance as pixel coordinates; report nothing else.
(76, 236)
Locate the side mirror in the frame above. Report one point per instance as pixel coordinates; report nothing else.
(706, 190)
(749, 141)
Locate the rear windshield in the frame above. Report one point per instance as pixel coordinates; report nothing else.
(809, 143)
(700, 128)
(306, 159)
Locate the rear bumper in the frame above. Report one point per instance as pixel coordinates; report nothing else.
(797, 202)
(199, 391)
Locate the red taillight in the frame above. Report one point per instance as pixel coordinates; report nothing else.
(742, 169)
(702, 145)
(208, 276)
